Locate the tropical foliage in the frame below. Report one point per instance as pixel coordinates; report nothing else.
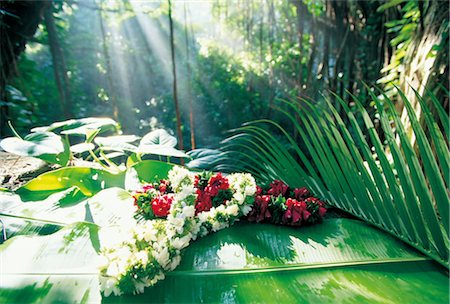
(380, 178)
(55, 236)
(116, 75)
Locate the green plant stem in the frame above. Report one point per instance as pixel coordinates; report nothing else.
(95, 158)
(14, 130)
(109, 162)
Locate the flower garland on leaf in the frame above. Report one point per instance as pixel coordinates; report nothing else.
(283, 205)
(176, 211)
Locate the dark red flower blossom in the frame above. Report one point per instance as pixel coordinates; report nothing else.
(147, 187)
(260, 210)
(217, 182)
(296, 212)
(321, 206)
(161, 205)
(259, 191)
(301, 193)
(196, 181)
(203, 202)
(163, 186)
(278, 187)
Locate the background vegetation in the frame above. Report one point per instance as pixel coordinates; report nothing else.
(233, 59)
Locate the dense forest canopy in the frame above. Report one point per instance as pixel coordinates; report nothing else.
(232, 60)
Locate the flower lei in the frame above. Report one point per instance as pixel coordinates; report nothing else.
(176, 211)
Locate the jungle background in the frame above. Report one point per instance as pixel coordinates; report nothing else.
(205, 67)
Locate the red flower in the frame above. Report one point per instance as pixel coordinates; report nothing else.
(278, 187)
(147, 187)
(322, 211)
(196, 181)
(217, 182)
(203, 202)
(321, 206)
(296, 212)
(163, 185)
(260, 210)
(161, 205)
(301, 193)
(259, 191)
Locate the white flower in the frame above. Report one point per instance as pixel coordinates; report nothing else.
(246, 209)
(113, 269)
(139, 285)
(189, 211)
(239, 198)
(179, 176)
(184, 192)
(232, 210)
(162, 256)
(202, 217)
(220, 208)
(180, 243)
(109, 285)
(103, 262)
(174, 263)
(142, 256)
(216, 226)
(182, 226)
(195, 229)
(157, 278)
(177, 223)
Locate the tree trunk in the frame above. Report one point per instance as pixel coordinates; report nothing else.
(59, 66)
(174, 74)
(15, 30)
(301, 12)
(189, 85)
(312, 57)
(271, 21)
(111, 92)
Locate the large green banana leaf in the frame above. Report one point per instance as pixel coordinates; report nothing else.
(54, 239)
(338, 261)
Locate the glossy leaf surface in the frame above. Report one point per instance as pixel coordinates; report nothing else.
(88, 180)
(117, 143)
(44, 145)
(389, 181)
(80, 126)
(339, 261)
(159, 142)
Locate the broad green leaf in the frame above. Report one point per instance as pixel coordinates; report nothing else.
(338, 261)
(88, 180)
(112, 155)
(389, 4)
(81, 148)
(113, 206)
(160, 150)
(57, 268)
(118, 143)
(159, 137)
(44, 145)
(133, 159)
(159, 142)
(80, 126)
(344, 160)
(152, 170)
(203, 159)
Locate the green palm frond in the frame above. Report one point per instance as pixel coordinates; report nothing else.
(383, 179)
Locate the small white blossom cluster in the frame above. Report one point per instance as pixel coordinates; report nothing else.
(155, 245)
